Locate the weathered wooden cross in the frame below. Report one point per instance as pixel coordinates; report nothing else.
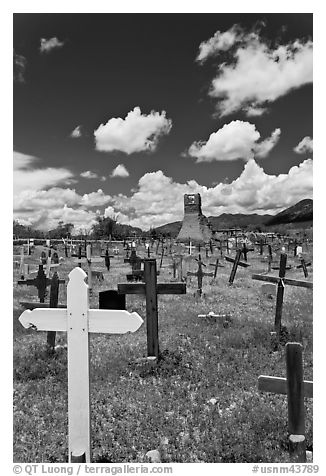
(78, 321)
(281, 281)
(200, 274)
(54, 294)
(89, 261)
(150, 288)
(107, 257)
(40, 282)
(304, 265)
(216, 265)
(236, 262)
(245, 250)
(296, 389)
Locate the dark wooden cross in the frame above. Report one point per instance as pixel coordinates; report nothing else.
(304, 265)
(281, 281)
(107, 257)
(261, 243)
(54, 293)
(200, 274)
(40, 282)
(216, 265)
(236, 262)
(211, 246)
(296, 390)
(245, 250)
(150, 288)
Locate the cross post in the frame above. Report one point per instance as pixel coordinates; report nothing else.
(296, 389)
(78, 321)
(236, 262)
(150, 288)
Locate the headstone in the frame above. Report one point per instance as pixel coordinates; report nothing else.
(111, 299)
(55, 258)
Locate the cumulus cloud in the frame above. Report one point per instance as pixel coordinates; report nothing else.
(41, 200)
(27, 176)
(137, 132)
(159, 200)
(76, 133)
(20, 63)
(255, 74)
(120, 171)
(50, 44)
(95, 199)
(304, 146)
(236, 140)
(89, 174)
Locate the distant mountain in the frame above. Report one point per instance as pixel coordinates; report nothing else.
(300, 212)
(171, 229)
(237, 220)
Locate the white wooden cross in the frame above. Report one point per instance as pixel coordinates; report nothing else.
(78, 320)
(190, 247)
(89, 260)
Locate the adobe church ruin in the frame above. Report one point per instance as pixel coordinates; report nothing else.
(195, 226)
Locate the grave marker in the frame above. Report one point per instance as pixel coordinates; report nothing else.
(236, 262)
(200, 274)
(150, 288)
(296, 389)
(40, 282)
(281, 281)
(89, 261)
(304, 265)
(216, 265)
(78, 321)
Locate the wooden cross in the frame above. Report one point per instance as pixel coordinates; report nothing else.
(54, 293)
(217, 265)
(150, 288)
(107, 257)
(200, 274)
(78, 321)
(296, 389)
(245, 250)
(281, 281)
(89, 260)
(236, 262)
(304, 265)
(40, 282)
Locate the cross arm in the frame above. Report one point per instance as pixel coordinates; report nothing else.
(161, 288)
(240, 263)
(54, 319)
(279, 385)
(276, 279)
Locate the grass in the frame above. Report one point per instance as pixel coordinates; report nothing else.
(199, 404)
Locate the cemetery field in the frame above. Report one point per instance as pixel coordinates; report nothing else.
(200, 403)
